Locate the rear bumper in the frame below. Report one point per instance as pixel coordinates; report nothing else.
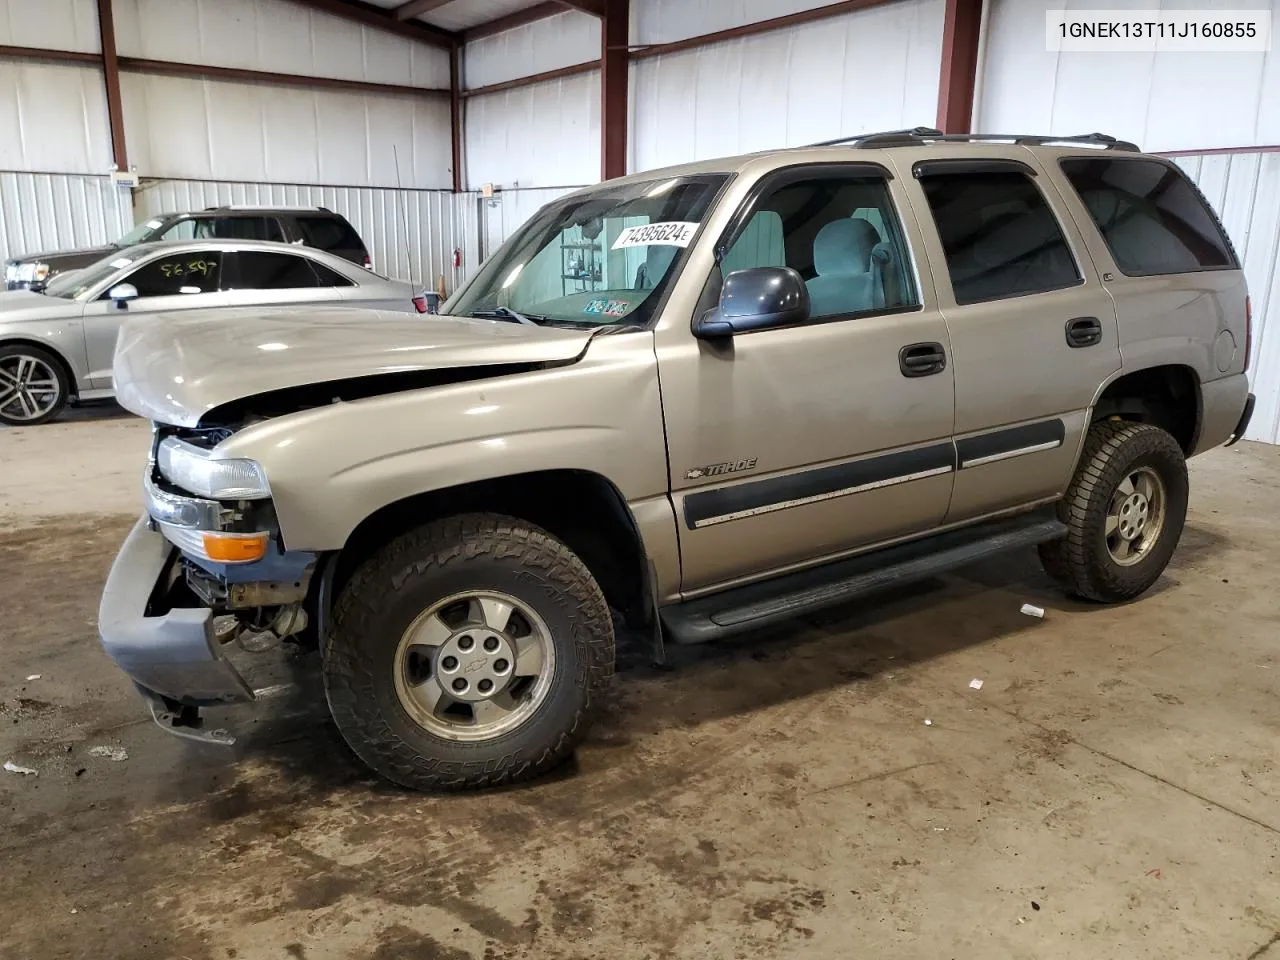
(1223, 404)
(1243, 425)
(170, 655)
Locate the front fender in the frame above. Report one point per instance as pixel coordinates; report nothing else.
(331, 467)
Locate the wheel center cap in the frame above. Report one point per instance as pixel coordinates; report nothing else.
(475, 664)
(1134, 512)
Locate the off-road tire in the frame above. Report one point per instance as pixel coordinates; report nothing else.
(59, 373)
(1080, 561)
(408, 575)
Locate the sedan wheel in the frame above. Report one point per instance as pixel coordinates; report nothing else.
(32, 387)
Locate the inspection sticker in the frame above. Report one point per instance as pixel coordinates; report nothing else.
(609, 308)
(673, 233)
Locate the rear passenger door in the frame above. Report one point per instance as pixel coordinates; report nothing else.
(251, 277)
(1033, 331)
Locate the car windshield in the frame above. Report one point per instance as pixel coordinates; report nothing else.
(594, 259)
(138, 234)
(74, 283)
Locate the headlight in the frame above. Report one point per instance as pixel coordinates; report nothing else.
(196, 471)
(39, 272)
(11, 273)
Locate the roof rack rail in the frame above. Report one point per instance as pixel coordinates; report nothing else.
(919, 135)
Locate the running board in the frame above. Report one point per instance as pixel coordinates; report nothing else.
(759, 604)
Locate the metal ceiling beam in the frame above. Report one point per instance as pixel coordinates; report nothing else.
(111, 79)
(372, 16)
(415, 8)
(528, 81)
(51, 56)
(961, 30)
(171, 68)
(519, 18)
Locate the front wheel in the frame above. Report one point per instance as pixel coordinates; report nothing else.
(467, 653)
(33, 388)
(1124, 513)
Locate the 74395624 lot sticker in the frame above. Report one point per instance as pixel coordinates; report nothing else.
(672, 233)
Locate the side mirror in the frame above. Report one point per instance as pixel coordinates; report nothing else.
(121, 294)
(756, 299)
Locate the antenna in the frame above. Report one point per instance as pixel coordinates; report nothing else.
(404, 215)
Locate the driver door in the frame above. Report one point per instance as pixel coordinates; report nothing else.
(168, 281)
(793, 445)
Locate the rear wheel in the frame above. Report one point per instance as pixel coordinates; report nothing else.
(33, 387)
(468, 653)
(1124, 512)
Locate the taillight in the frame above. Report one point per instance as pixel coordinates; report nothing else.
(368, 262)
(420, 303)
(1248, 331)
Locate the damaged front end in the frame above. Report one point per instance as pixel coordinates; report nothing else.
(205, 568)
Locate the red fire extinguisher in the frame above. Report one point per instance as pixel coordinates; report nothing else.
(457, 258)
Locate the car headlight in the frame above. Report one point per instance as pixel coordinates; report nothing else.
(11, 273)
(39, 272)
(196, 471)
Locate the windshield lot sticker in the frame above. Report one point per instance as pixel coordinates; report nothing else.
(608, 308)
(674, 233)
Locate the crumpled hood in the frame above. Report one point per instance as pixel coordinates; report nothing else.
(174, 368)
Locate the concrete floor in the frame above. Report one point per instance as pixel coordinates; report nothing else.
(1111, 791)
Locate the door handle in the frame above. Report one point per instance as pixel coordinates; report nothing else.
(1084, 332)
(922, 359)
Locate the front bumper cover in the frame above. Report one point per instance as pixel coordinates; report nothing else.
(170, 655)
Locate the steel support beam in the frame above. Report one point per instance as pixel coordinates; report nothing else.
(615, 36)
(171, 68)
(111, 79)
(961, 31)
(519, 18)
(455, 114)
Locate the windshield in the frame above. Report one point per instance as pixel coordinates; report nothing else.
(72, 284)
(594, 259)
(138, 234)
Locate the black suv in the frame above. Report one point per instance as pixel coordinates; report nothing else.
(313, 226)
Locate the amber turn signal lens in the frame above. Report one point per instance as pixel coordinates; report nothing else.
(235, 547)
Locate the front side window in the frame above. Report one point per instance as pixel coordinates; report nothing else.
(175, 275)
(270, 271)
(998, 234)
(599, 258)
(184, 229)
(1152, 218)
(841, 234)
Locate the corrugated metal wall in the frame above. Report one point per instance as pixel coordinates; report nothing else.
(1245, 190)
(873, 69)
(50, 211)
(545, 135)
(411, 234)
(1163, 101)
(549, 44)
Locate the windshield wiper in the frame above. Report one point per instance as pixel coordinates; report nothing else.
(506, 313)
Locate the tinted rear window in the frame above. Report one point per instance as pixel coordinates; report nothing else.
(239, 228)
(999, 236)
(1152, 218)
(329, 233)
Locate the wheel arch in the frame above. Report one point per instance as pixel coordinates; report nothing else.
(1166, 395)
(582, 508)
(73, 383)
